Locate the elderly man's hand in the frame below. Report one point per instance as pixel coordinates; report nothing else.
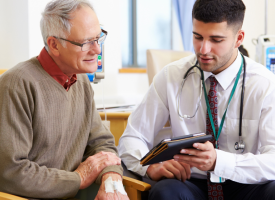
(102, 195)
(93, 165)
(169, 169)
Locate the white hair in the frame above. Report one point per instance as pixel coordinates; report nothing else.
(56, 18)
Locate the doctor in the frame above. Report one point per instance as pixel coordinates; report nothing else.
(218, 172)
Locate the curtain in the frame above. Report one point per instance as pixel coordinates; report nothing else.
(183, 9)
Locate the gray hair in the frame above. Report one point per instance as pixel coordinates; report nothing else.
(56, 18)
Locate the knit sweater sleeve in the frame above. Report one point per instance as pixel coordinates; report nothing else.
(101, 139)
(19, 175)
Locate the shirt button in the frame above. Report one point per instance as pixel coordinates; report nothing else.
(67, 80)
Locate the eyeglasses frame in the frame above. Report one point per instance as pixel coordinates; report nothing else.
(79, 44)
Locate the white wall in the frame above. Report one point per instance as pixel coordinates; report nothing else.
(13, 32)
(254, 23)
(36, 43)
(20, 39)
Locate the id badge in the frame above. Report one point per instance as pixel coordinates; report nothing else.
(216, 179)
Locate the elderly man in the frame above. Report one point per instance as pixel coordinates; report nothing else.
(49, 123)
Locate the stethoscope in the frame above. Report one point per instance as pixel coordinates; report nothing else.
(239, 146)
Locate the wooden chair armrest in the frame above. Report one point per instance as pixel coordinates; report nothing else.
(139, 185)
(6, 196)
(134, 187)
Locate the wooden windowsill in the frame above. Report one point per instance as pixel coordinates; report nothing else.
(133, 70)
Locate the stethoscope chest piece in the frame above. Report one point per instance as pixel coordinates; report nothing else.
(240, 146)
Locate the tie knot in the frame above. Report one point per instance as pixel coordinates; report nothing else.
(213, 79)
(213, 82)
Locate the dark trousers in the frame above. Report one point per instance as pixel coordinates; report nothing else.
(172, 189)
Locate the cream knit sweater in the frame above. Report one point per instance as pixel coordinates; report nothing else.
(46, 132)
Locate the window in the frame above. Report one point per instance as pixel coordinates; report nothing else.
(146, 24)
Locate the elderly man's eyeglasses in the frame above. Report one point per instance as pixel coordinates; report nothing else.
(87, 45)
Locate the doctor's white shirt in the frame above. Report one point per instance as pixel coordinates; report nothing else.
(255, 165)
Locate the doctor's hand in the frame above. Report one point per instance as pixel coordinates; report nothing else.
(102, 195)
(169, 169)
(93, 165)
(202, 157)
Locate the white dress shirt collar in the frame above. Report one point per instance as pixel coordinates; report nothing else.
(226, 77)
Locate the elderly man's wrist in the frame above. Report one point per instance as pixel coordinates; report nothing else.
(116, 176)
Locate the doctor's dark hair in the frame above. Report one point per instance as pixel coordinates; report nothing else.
(217, 11)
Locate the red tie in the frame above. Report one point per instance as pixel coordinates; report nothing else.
(214, 189)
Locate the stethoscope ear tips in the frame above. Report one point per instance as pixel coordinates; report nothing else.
(239, 146)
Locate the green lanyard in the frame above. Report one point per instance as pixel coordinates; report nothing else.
(208, 106)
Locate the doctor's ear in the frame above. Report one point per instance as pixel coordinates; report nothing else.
(240, 38)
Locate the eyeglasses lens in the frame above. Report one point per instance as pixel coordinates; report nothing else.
(89, 45)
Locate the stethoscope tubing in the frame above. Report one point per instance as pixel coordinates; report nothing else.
(242, 97)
